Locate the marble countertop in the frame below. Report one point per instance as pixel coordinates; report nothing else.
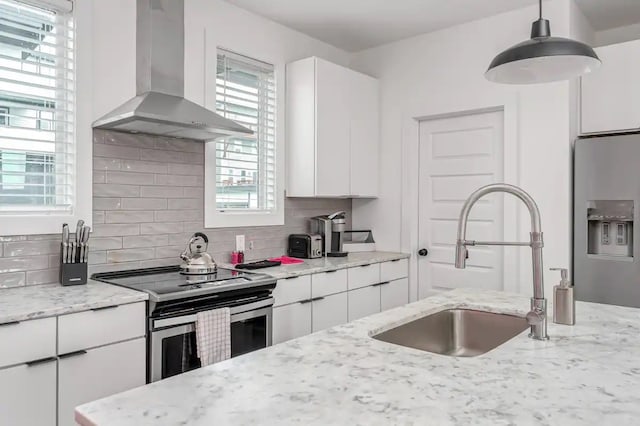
(323, 264)
(587, 374)
(39, 301)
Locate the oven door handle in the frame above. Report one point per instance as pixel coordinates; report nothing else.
(191, 319)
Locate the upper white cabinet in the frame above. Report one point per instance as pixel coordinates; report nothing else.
(332, 131)
(611, 94)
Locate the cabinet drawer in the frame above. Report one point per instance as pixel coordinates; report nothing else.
(290, 290)
(329, 311)
(28, 394)
(326, 283)
(363, 302)
(362, 276)
(291, 321)
(101, 326)
(27, 341)
(98, 373)
(394, 294)
(394, 270)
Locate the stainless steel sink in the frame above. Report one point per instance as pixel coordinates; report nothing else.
(456, 332)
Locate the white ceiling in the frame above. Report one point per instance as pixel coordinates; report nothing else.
(607, 14)
(354, 25)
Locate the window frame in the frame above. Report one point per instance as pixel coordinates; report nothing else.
(50, 222)
(213, 217)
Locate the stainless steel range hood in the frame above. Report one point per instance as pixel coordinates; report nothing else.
(160, 107)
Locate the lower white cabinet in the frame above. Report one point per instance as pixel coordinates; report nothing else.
(364, 301)
(311, 303)
(291, 321)
(329, 311)
(28, 394)
(85, 376)
(394, 294)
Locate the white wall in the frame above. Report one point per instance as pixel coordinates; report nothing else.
(208, 24)
(442, 72)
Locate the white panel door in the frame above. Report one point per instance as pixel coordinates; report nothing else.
(364, 302)
(332, 129)
(329, 311)
(457, 156)
(28, 394)
(97, 373)
(291, 321)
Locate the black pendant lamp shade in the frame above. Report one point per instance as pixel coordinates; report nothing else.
(542, 59)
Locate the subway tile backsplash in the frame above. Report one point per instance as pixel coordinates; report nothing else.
(148, 197)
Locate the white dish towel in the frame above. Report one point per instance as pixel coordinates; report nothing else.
(213, 335)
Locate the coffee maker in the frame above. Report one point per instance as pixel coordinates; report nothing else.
(332, 229)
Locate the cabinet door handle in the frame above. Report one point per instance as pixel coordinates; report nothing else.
(72, 354)
(40, 361)
(315, 299)
(104, 308)
(331, 272)
(10, 323)
(396, 260)
(302, 302)
(290, 278)
(379, 284)
(364, 266)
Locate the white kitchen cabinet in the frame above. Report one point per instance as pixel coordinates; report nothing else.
(365, 135)
(116, 323)
(364, 301)
(96, 373)
(291, 321)
(329, 311)
(332, 131)
(290, 290)
(330, 282)
(610, 96)
(394, 294)
(28, 394)
(362, 276)
(26, 341)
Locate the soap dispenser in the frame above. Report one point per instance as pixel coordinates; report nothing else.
(564, 302)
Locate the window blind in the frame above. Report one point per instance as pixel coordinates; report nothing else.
(37, 102)
(246, 166)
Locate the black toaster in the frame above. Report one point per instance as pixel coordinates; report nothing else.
(305, 246)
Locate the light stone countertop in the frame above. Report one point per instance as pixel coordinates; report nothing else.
(40, 301)
(588, 374)
(323, 264)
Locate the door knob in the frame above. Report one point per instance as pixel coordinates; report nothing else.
(423, 252)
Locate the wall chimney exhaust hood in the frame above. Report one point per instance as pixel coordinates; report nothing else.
(160, 107)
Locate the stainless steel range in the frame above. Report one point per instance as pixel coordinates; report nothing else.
(174, 300)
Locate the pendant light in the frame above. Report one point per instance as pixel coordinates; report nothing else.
(543, 58)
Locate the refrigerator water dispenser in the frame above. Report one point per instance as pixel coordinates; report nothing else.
(610, 228)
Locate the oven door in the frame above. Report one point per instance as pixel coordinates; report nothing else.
(172, 343)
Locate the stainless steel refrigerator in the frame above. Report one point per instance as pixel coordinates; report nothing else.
(606, 182)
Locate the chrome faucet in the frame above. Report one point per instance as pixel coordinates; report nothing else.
(537, 317)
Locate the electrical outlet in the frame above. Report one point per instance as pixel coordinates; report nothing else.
(250, 245)
(239, 242)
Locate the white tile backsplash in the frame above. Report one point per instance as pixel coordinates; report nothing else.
(148, 200)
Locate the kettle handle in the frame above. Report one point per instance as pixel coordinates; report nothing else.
(201, 235)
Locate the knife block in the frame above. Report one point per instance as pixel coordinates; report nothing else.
(72, 273)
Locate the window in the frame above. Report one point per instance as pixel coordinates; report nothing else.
(37, 100)
(245, 173)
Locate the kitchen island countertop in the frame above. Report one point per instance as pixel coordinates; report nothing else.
(588, 374)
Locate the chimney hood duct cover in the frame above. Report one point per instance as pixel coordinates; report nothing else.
(160, 107)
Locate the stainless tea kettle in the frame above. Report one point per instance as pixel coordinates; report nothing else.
(196, 260)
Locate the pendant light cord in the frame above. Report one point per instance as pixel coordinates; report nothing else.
(540, 8)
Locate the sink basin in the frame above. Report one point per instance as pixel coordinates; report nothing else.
(456, 332)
